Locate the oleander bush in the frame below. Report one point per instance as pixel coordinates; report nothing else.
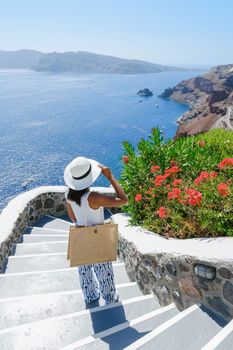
(181, 188)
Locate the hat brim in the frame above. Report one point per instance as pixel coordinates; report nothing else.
(83, 183)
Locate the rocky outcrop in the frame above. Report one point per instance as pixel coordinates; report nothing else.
(145, 93)
(210, 97)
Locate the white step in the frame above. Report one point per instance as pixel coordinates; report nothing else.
(19, 284)
(37, 262)
(41, 248)
(34, 230)
(59, 331)
(120, 336)
(190, 329)
(38, 238)
(20, 310)
(223, 340)
(49, 221)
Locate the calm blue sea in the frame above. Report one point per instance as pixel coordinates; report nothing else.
(46, 120)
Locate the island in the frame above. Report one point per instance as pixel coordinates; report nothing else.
(78, 62)
(145, 93)
(19, 59)
(210, 97)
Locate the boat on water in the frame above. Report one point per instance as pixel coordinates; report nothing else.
(27, 182)
(157, 104)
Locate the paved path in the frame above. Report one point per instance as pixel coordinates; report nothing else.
(229, 117)
(226, 121)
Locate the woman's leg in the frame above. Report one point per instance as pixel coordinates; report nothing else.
(105, 276)
(88, 283)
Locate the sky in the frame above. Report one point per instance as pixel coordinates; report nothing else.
(176, 32)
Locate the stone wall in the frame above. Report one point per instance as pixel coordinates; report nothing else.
(184, 279)
(23, 211)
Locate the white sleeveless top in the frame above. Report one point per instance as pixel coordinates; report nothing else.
(85, 215)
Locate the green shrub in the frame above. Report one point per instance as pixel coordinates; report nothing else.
(180, 188)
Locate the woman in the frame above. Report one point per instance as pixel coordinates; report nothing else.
(86, 208)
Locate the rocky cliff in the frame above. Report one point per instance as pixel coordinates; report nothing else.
(210, 97)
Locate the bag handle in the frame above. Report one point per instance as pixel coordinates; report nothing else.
(85, 209)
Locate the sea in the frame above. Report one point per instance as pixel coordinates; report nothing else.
(48, 119)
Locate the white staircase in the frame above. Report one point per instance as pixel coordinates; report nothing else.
(42, 306)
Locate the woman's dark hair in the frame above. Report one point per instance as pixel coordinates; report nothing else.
(75, 196)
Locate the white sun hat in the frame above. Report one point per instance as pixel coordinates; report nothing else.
(81, 173)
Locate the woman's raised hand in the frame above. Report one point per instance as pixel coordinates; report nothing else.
(106, 201)
(105, 171)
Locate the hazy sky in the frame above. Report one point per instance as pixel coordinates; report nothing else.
(191, 32)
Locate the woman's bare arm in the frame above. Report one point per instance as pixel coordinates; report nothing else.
(71, 213)
(101, 200)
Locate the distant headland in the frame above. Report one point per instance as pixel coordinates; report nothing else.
(77, 62)
(210, 97)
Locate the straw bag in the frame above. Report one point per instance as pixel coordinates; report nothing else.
(92, 244)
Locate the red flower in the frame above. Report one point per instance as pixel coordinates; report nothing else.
(201, 143)
(177, 182)
(194, 197)
(204, 175)
(213, 174)
(174, 194)
(162, 212)
(125, 159)
(154, 168)
(225, 163)
(173, 170)
(223, 189)
(197, 181)
(138, 197)
(160, 179)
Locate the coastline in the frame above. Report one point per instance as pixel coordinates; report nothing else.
(210, 98)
